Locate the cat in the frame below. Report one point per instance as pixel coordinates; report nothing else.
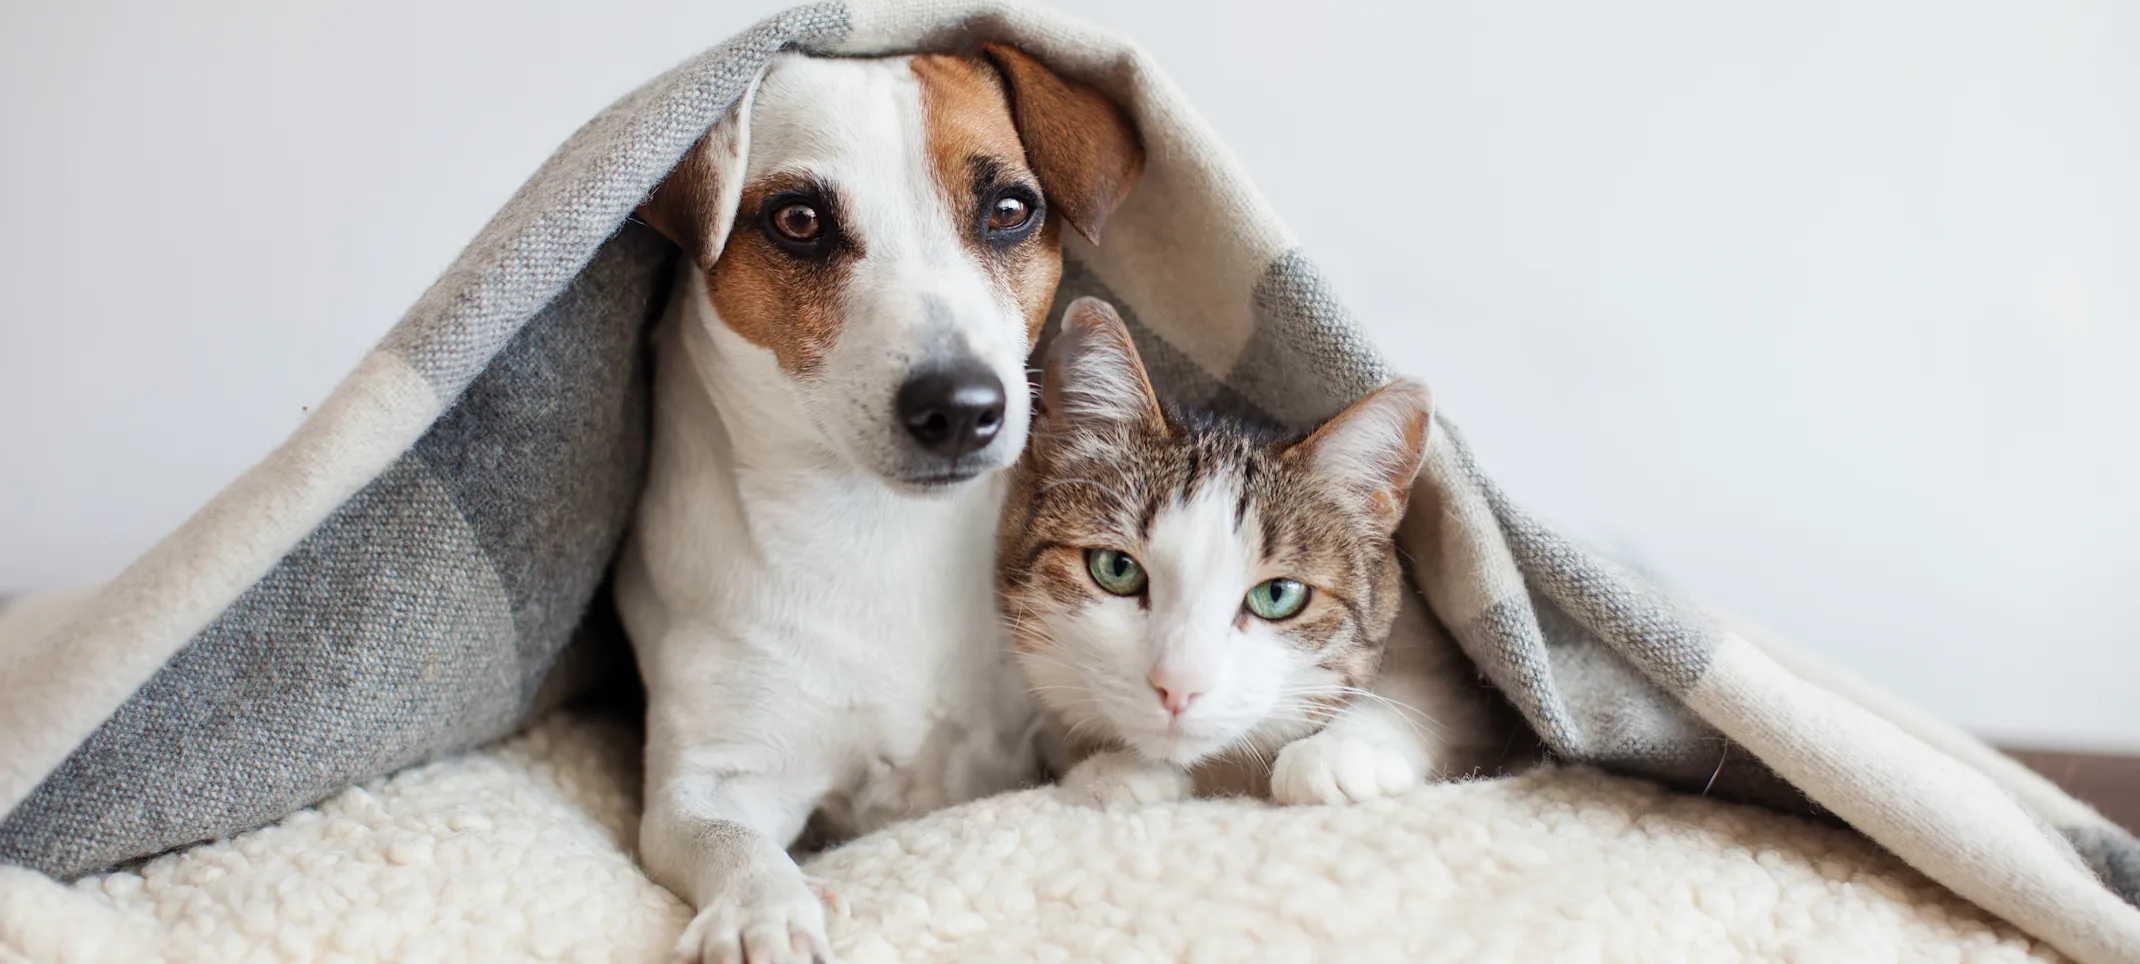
(1189, 594)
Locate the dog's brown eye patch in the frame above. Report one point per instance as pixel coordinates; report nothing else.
(977, 160)
(798, 222)
(1008, 213)
(778, 280)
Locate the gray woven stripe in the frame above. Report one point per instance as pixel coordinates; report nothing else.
(1631, 725)
(1671, 643)
(289, 696)
(400, 629)
(2114, 856)
(1174, 376)
(544, 451)
(550, 229)
(1508, 646)
(1307, 359)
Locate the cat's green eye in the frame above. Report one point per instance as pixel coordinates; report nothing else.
(1115, 571)
(1276, 599)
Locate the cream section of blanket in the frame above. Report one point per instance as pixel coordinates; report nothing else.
(521, 852)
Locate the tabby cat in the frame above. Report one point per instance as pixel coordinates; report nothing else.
(1189, 595)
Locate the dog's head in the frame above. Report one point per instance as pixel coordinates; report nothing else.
(889, 232)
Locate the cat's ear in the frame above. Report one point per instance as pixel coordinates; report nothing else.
(1092, 378)
(1375, 446)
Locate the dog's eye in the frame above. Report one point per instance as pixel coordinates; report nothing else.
(1008, 214)
(798, 222)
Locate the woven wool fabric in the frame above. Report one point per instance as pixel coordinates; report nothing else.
(399, 579)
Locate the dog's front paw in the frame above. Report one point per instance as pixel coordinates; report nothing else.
(1333, 767)
(1116, 779)
(774, 918)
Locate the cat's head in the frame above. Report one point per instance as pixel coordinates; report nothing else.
(1183, 585)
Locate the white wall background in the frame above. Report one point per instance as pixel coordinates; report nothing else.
(1827, 311)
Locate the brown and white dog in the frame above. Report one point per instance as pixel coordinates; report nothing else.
(872, 248)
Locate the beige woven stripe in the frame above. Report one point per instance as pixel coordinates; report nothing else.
(65, 682)
(1195, 211)
(1942, 817)
(2042, 796)
(1457, 549)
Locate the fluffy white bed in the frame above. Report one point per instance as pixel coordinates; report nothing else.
(520, 852)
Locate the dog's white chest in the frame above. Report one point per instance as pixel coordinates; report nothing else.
(883, 679)
(930, 711)
(914, 756)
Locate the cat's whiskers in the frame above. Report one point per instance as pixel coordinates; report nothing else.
(1411, 714)
(1254, 752)
(1076, 727)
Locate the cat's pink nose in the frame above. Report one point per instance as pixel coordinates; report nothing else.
(1174, 694)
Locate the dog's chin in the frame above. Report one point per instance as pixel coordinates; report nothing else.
(938, 483)
(939, 477)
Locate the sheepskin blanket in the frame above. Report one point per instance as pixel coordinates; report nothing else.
(418, 570)
(523, 853)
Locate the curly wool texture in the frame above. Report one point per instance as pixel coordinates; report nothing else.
(521, 852)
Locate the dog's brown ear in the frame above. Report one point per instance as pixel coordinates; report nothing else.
(695, 204)
(1079, 143)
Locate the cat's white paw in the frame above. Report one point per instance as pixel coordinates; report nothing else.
(775, 918)
(1116, 779)
(1335, 767)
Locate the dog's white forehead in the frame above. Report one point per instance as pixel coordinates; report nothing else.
(812, 111)
(861, 126)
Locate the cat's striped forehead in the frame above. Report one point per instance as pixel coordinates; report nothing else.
(1113, 488)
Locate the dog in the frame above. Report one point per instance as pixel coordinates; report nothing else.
(870, 248)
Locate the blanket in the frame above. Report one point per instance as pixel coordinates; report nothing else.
(522, 852)
(419, 568)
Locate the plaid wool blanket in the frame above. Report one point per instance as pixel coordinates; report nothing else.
(420, 568)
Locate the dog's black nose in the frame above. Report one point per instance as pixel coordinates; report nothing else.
(953, 410)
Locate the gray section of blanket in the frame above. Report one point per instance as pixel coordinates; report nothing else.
(1182, 381)
(1307, 359)
(288, 694)
(421, 618)
(2114, 856)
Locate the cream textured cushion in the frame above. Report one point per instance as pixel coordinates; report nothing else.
(522, 852)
